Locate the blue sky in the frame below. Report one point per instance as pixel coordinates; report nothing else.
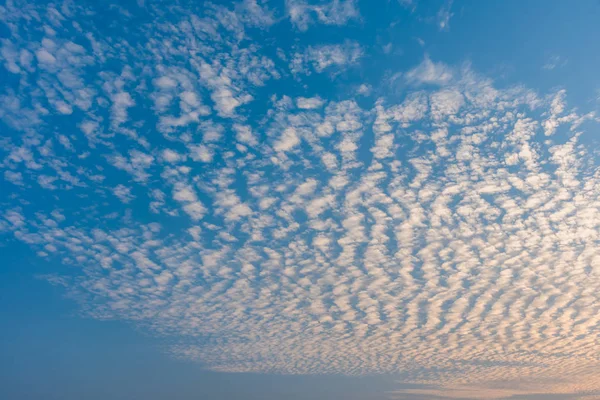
(299, 199)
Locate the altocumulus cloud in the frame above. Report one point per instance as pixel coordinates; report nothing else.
(449, 236)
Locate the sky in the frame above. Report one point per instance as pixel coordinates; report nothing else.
(299, 199)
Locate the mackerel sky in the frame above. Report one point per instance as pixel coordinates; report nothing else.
(368, 200)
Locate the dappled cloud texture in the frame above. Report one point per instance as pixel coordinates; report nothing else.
(446, 233)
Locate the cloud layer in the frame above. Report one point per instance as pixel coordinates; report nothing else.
(449, 236)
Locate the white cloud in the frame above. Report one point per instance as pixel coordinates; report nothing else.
(334, 12)
(364, 89)
(15, 178)
(333, 57)
(324, 56)
(309, 103)
(446, 102)
(254, 14)
(245, 135)
(121, 101)
(443, 16)
(137, 164)
(554, 62)
(44, 57)
(172, 156)
(195, 210)
(201, 153)
(184, 193)
(225, 96)
(165, 82)
(430, 73)
(47, 182)
(123, 193)
(287, 141)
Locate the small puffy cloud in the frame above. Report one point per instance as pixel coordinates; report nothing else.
(16, 178)
(446, 102)
(255, 14)
(201, 153)
(323, 57)
(63, 108)
(244, 134)
(123, 193)
(121, 102)
(186, 195)
(309, 103)
(195, 210)
(171, 156)
(225, 95)
(44, 57)
(364, 89)
(226, 101)
(165, 83)
(287, 141)
(136, 164)
(47, 182)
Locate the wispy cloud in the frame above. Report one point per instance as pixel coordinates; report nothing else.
(443, 16)
(554, 62)
(303, 13)
(430, 73)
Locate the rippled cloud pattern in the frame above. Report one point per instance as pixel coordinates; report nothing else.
(253, 201)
